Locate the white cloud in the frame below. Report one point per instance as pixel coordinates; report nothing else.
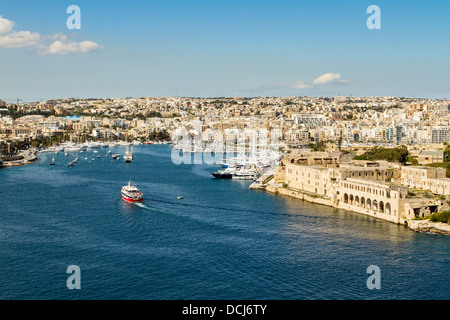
(5, 25)
(43, 45)
(327, 78)
(62, 47)
(301, 85)
(19, 39)
(330, 78)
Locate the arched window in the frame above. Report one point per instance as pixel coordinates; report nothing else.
(375, 205)
(345, 198)
(388, 208)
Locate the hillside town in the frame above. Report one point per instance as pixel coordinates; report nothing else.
(324, 142)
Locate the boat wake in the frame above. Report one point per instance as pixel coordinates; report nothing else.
(144, 206)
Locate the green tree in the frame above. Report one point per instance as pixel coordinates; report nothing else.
(398, 154)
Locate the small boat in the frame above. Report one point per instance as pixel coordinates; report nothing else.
(71, 164)
(53, 162)
(115, 156)
(128, 158)
(180, 197)
(131, 194)
(98, 156)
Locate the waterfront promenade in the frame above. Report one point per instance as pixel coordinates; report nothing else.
(23, 157)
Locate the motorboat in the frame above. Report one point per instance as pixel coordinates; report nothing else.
(131, 194)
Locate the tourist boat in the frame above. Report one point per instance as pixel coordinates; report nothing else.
(132, 194)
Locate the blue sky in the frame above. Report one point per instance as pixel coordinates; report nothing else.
(225, 48)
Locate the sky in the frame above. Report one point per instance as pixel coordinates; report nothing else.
(223, 48)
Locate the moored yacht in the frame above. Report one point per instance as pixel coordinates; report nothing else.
(238, 172)
(129, 155)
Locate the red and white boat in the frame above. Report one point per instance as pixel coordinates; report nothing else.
(132, 194)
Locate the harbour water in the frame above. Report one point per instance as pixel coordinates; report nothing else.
(221, 241)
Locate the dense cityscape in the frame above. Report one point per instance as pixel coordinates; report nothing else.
(334, 139)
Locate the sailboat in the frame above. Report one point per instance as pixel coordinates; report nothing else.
(128, 154)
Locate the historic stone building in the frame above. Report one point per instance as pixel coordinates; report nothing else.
(379, 199)
(377, 189)
(423, 178)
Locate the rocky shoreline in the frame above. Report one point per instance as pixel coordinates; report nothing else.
(429, 227)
